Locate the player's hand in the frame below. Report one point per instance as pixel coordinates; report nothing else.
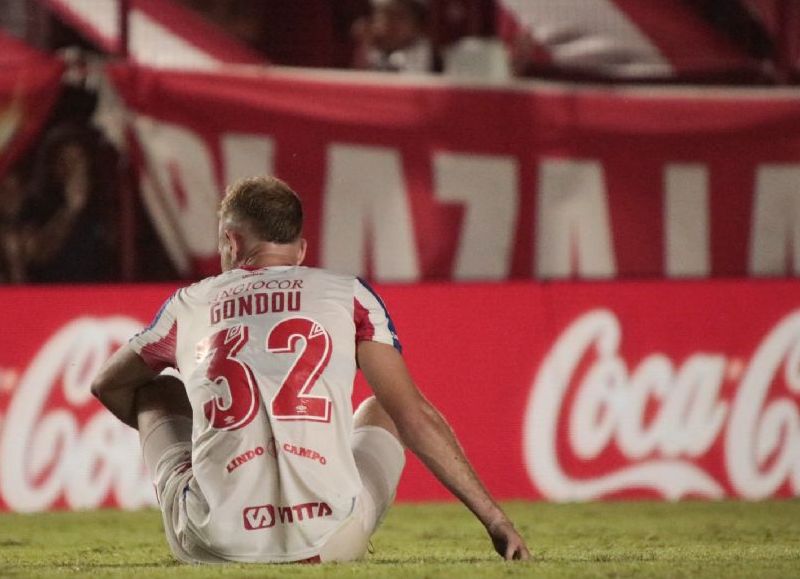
(507, 542)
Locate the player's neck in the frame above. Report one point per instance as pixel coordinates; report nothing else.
(270, 254)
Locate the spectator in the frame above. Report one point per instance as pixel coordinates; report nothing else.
(59, 228)
(12, 255)
(394, 38)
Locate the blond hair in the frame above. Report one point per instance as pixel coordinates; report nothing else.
(268, 206)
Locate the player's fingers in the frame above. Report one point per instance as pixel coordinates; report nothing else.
(511, 549)
(516, 550)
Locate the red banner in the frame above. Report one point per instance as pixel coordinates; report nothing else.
(408, 180)
(626, 39)
(558, 392)
(29, 85)
(161, 32)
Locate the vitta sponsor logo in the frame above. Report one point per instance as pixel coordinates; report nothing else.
(588, 407)
(267, 516)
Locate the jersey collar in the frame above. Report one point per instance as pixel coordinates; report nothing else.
(256, 268)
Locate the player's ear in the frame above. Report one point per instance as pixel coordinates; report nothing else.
(236, 243)
(301, 252)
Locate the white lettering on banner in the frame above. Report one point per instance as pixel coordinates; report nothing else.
(366, 204)
(46, 453)
(573, 231)
(609, 408)
(488, 187)
(776, 220)
(686, 219)
(758, 430)
(247, 156)
(180, 189)
(367, 210)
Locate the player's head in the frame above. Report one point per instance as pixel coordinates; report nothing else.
(260, 217)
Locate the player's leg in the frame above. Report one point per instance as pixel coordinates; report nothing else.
(380, 458)
(165, 430)
(370, 413)
(164, 417)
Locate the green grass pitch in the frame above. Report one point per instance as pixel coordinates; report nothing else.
(623, 539)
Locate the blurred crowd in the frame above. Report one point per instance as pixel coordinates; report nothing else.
(60, 203)
(440, 35)
(58, 207)
(391, 35)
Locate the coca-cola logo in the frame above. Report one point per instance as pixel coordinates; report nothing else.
(757, 428)
(58, 446)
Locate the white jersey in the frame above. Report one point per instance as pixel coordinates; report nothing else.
(268, 360)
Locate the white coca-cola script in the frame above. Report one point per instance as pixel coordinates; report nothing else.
(47, 453)
(760, 428)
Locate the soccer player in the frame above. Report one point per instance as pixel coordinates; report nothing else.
(255, 452)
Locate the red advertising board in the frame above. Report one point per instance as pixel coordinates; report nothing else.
(666, 390)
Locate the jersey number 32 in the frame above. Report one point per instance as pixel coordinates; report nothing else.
(293, 399)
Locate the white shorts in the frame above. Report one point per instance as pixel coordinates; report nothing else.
(379, 457)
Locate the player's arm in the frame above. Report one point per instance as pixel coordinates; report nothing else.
(424, 430)
(116, 384)
(137, 363)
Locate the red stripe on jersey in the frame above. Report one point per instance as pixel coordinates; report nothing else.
(161, 354)
(364, 328)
